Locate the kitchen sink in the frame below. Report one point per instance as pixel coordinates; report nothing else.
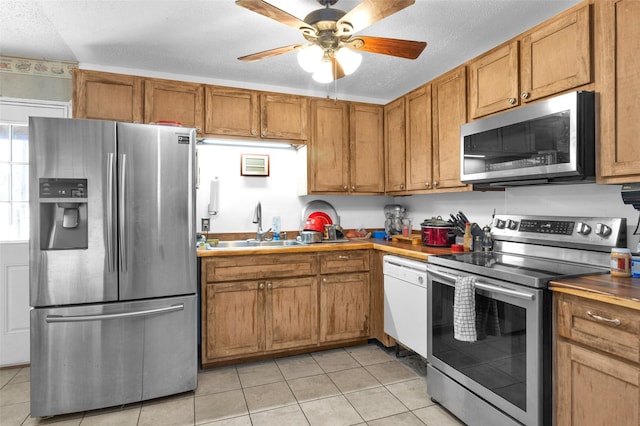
(253, 243)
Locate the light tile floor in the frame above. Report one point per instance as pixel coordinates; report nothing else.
(360, 385)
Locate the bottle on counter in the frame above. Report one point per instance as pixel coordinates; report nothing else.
(620, 262)
(487, 241)
(467, 239)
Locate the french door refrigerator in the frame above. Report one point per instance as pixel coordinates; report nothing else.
(112, 263)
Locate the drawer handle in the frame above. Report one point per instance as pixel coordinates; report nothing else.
(344, 257)
(599, 318)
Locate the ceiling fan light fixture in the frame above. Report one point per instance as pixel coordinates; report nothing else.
(348, 59)
(310, 57)
(324, 72)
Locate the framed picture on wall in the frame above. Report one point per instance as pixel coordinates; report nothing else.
(254, 165)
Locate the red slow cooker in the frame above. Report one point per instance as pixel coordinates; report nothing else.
(437, 232)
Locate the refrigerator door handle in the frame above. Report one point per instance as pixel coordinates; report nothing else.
(121, 315)
(110, 249)
(122, 228)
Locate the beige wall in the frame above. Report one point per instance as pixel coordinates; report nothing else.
(35, 87)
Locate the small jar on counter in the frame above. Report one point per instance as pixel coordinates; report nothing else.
(620, 262)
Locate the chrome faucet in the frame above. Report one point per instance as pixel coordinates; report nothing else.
(257, 219)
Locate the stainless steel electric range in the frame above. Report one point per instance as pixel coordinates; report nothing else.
(504, 376)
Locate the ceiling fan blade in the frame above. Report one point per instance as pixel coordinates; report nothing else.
(408, 49)
(270, 11)
(270, 53)
(336, 68)
(367, 13)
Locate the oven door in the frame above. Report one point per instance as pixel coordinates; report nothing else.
(506, 365)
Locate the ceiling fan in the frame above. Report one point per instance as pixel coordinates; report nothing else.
(330, 32)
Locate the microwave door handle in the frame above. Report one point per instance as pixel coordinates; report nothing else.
(485, 286)
(110, 195)
(122, 226)
(121, 315)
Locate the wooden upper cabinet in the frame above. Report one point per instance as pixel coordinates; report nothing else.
(556, 56)
(418, 139)
(448, 96)
(618, 81)
(394, 146)
(366, 154)
(493, 82)
(167, 100)
(551, 58)
(231, 112)
(107, 96)
(329, 146)
(283, 116)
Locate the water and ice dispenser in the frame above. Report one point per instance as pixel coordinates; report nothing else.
(63, 214)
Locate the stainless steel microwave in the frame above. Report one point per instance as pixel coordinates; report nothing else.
(549, 141)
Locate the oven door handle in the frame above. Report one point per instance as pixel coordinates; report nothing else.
(485, 286)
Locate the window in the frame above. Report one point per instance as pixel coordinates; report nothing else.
(14, 182)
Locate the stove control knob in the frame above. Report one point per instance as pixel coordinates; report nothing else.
(603, 230)
(500, 223)
(583, 228)
(512, 224)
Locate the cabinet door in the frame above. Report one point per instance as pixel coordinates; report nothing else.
(394, 146)
(344, 306)
(283, 116)
(494, 81)
(329, 146)
(419, 173)
(291, 313)
(557, 56)
(231, 112)
(173, 101)
(107, 96)
(366, 149)
(595, 389)
(234, 319)
(448, 94)
(616, 46)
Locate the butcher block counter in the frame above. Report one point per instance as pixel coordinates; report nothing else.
(603, 288)
(415, 251)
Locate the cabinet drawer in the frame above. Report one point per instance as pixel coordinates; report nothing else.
(235, 268)
(609, 328)
(344, 261)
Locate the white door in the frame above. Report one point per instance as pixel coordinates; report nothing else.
(14, 223)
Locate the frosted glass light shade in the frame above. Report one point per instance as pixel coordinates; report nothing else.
(309, 57)
(324, 73)
(349, 60)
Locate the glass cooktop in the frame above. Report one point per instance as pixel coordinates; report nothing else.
(525, 270)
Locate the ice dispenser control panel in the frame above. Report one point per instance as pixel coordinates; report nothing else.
(63, 188)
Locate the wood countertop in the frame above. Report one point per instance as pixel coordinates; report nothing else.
(602, 287)
(415, 251)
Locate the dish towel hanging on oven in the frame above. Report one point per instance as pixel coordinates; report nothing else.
(464, 309)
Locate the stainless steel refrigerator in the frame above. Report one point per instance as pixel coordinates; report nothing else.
(112, 263)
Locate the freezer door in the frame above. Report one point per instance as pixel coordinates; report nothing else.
(157, 254)
(72, 231)
(89, 357)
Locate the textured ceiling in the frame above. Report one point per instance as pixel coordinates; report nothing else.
(201, 40)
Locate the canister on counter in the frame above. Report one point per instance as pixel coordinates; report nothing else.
(635, 266)
(620, 262)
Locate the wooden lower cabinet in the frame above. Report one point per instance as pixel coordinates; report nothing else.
(344, 295)
(597, 358)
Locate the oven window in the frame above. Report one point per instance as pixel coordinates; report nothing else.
(497, 360)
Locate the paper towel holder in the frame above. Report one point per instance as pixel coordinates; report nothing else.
(214, 188)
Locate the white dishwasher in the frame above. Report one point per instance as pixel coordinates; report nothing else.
(405, 302)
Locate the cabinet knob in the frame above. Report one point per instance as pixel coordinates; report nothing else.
(512, 101)
(264, 134)
(435, 183)
(254, 132)
(345, 187)
(353, 187)
(427, 184)
(261, 286)
(524, 95)
(402, 186)
(269, 285)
